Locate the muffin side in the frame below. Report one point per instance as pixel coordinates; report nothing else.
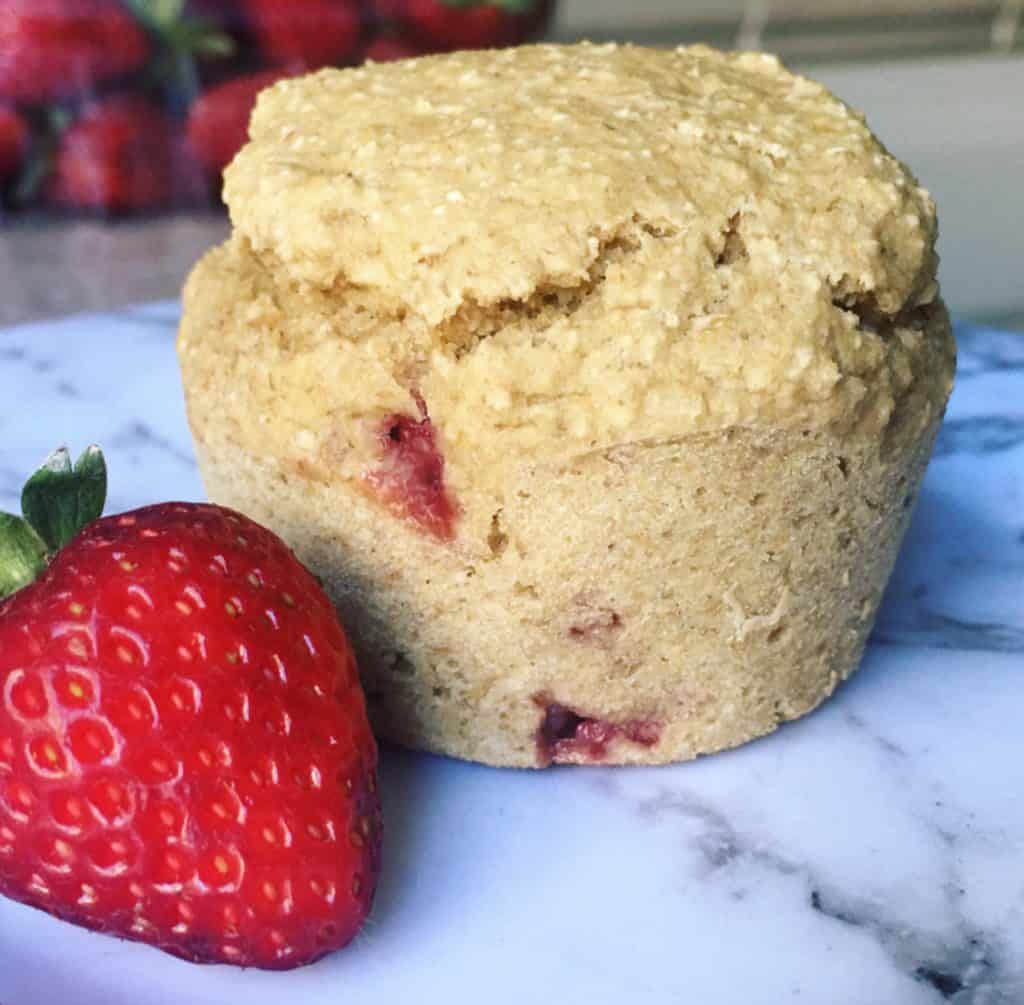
(708, 588)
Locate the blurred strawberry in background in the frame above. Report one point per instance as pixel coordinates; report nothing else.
(122, 154)
(304, 34)
(445, 26)
(218, 121)
(13, 142)
(388, 48)
(139, 105)
(57, 48)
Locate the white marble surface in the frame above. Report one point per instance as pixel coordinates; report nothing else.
(870, 854)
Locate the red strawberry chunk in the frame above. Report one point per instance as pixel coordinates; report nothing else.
(603, 624)
(410, 477)
(565, 736)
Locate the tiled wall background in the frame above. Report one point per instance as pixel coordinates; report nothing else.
(827, 29)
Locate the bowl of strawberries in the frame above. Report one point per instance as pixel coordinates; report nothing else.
(118, 107)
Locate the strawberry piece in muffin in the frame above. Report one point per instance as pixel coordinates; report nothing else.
(410, 477)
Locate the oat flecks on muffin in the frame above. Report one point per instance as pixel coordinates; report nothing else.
(660, 336)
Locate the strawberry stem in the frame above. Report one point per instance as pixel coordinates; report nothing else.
(58, 501)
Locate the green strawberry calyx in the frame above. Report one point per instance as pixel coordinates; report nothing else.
(169, 22)
(57, 502)
(180, 39)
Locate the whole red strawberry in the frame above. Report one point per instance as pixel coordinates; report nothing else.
(437, 24)
(13, 142)
(185, 757)
(304, 34)
(121, 155)
(218, 121)
(55, 48)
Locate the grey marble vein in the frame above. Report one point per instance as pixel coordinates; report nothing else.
(960, 962)
(980, 434)
(139, 437)
(967, 969)
(983, 351)
(943, 631)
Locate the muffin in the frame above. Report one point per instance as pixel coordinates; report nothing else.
(595, 382)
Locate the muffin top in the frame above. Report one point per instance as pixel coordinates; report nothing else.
(487, 176)
(554, 250)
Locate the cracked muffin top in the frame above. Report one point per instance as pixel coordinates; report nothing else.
(565, 248)
(484, 176)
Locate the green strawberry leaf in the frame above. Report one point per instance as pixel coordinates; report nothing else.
(30, 182)
(22, 554)
(167, 11)
(158, 13)
(212, 43)
(197, 35)
(180, 39)
(51, 125)
(59, 500)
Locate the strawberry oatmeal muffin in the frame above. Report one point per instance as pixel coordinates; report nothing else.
(596, 383)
